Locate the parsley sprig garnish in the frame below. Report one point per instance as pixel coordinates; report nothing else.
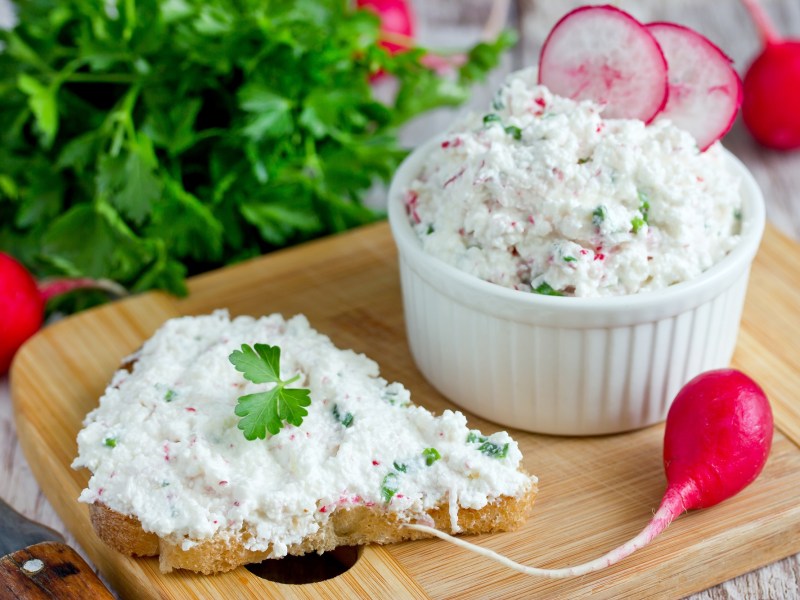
(267, 411)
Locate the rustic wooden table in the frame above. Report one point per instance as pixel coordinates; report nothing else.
(454, 23)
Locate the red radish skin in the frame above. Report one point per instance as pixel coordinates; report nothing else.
(22, 303)
(21, 308)
(718, 437)
(705, 92)
(603, 54)
(772, 87)
(716, 441)
(397, 21)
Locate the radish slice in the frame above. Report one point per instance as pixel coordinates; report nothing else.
(704, 91)
(603, 54)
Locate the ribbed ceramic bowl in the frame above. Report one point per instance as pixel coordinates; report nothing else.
(568, 366)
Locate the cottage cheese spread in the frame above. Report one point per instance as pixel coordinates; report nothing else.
(543, 194)
(163, 445)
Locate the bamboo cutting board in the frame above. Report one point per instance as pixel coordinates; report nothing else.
(594, 492)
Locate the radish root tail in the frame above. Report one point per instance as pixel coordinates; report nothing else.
(671, 506)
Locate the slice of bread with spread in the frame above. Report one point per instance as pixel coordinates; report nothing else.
(173, 475)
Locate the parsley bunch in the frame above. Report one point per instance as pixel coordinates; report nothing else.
(144, 140)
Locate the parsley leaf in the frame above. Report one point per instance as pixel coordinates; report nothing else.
(267, 411)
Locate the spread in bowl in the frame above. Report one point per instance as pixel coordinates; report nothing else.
(542, 194)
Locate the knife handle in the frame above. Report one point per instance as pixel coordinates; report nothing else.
(49, 570)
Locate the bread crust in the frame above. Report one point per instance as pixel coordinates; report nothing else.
(345, 527)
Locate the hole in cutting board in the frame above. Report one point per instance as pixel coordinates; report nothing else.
(309, 568)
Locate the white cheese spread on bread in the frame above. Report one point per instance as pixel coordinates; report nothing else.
(163, 444)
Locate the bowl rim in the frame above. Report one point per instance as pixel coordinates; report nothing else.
(721, 274)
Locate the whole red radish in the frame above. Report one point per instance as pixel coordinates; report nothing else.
(603, 54)
(717, 439)
(23, 300)
(771, 104)
(21, 308)
(705, 92)
(397, 22)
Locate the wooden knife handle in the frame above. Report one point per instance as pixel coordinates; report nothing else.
(49, 570)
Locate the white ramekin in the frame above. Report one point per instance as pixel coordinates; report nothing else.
(568, 366)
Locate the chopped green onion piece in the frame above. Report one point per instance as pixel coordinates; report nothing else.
(389, 487)
(494, 450)
(111, 442)
(473, 437)
(170, 395)
(431, 455)
(491, 118)
(514, 132)
(402, 467)
(644, 208)
(546, 290)
(346, 420)
(599, 215)
(644, 202)
(570, 258)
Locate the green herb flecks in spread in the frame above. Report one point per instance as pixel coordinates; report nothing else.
(546, 289)
(486, 446)
(346, 420)
(431, 455)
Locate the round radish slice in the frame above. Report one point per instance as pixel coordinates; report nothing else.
(603, 54)
(704, 91)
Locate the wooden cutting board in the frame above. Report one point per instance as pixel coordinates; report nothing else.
(594, 492)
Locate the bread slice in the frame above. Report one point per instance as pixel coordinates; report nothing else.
(350, 527)
(360, 466)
